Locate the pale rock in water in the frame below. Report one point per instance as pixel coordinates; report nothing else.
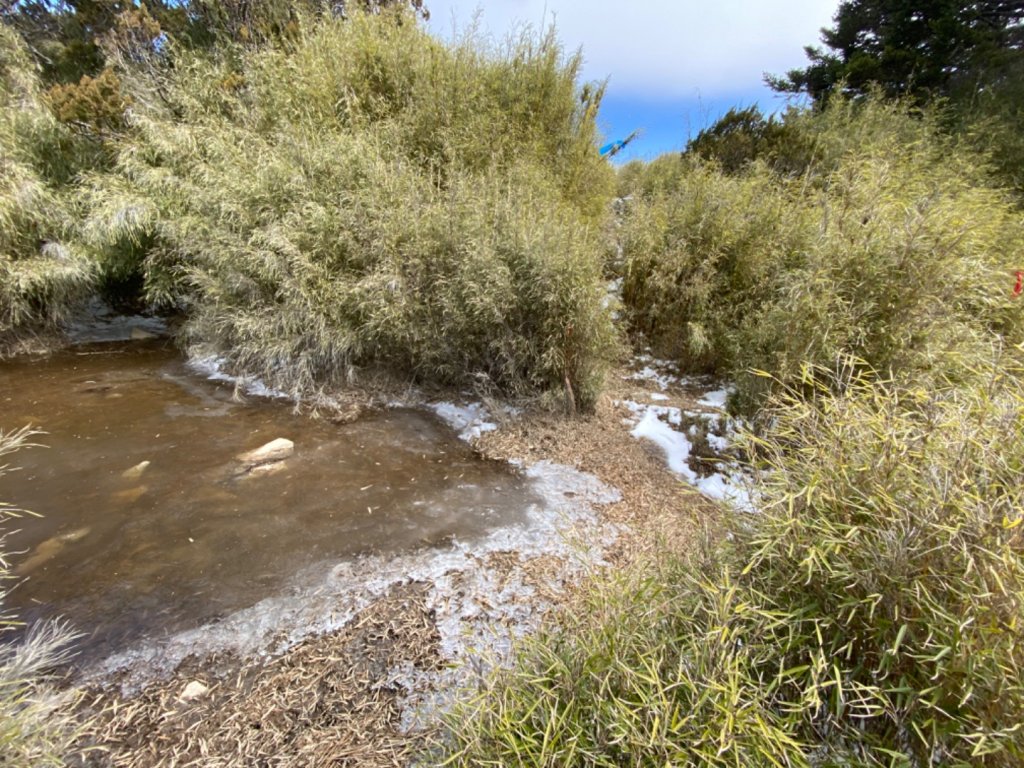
(134, 473)
(261, 470)
(131, 495)
(141, 334)
(276, 450)
(50, 548)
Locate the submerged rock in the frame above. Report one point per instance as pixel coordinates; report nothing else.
(141, 334)
(134, 473)
(276, 450)
(131, 495)
(261, 470)
(50, 548)
(97, 322)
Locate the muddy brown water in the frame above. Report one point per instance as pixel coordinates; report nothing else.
(128, 551)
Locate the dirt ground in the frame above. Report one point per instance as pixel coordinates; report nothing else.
(330, 700)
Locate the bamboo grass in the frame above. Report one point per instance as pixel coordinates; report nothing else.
(37, 724)
(369, 196)
(43, 272)
(892, 245)
(869, 614)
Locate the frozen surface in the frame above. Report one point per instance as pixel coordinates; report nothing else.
(730, 486)
(663, 425)
(215, 369)
(670, 413)
(659, 376)
(470, 421)
(476, 611)
(154, 523)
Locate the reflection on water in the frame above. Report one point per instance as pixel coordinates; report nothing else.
(150, 523)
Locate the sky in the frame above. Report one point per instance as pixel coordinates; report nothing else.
(673, 66)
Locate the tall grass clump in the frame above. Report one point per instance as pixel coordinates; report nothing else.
(869, 614)
(369, 196)
(42, 273)
(891, 246)
(37, 727)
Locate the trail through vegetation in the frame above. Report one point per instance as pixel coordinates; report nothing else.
(320, 196)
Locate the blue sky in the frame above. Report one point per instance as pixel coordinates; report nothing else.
(672, 67)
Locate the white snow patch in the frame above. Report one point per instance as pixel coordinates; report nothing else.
(661, 379)
(674, 444)
(717, 398)
(731, 487)
(658, 397)
(663, 373)
(470, 421)
(672, 414)
(718, 443)
(656, 422)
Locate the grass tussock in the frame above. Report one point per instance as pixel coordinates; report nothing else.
(869, 615)
(42, 272)
(888, 245)
(370, 196)
(37, 727)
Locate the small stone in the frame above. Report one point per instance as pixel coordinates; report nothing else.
(50, 549)
(141, 334)
(275, 450)
(193, 690)
(131, 495)
(134, 473)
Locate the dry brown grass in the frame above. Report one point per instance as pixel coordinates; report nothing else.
(326, 702)
(659, 510)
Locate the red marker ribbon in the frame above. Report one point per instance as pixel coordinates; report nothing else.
(1018, 289)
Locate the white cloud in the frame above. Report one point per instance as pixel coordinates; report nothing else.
(661, 49)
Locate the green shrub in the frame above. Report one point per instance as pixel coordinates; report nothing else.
(369, 196)
(892, 248)
(702, 250)
(94, 104)
(41, 272)
(869, 614)
(742, 136)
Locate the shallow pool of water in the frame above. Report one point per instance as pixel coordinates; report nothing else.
(129, 550)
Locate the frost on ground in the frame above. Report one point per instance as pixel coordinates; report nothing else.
(661, 372)
(470, 421)
(673, 429)
(716, 398)
(674, 444)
